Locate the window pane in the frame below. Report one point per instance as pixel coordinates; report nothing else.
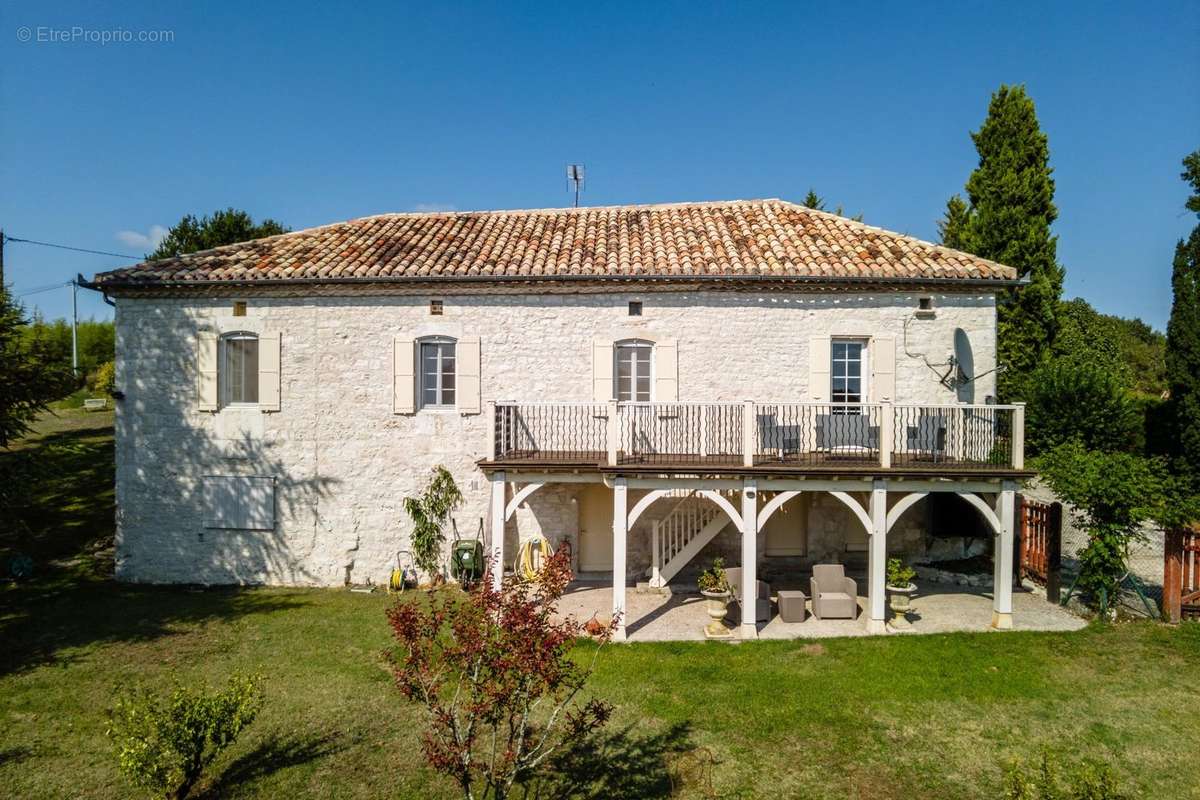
(250, 370)
(624, 388)
(233, 371)
(447, 383)
(429, 395)
(447, 397)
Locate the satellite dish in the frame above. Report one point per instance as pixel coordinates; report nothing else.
(964, 360)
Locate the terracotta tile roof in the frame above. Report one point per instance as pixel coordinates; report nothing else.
(747, 239)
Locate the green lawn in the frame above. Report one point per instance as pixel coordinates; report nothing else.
(900, 717)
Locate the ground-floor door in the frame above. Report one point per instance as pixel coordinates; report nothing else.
(595, 528)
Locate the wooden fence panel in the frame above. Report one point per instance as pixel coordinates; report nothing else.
(1181, 574)
(1041, 544)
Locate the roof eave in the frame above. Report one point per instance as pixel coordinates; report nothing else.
(99, 284)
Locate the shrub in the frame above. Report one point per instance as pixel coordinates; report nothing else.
(495, 671)
(1084, 781)
(899, 574)
(1071, 401)
(713, 579)
(102, 380)
(164, 744)
(429, 513)
(1112, 494)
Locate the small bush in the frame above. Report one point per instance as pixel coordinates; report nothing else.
(1086, 781)
(101, 381)
(164, 745)
(899, 574)
(714, 579)
(1081, 402)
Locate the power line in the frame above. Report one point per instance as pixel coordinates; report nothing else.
(41, 289)
(68, 247)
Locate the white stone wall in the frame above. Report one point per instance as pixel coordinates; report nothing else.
(344, 461)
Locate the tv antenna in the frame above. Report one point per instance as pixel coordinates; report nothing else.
(575, 176)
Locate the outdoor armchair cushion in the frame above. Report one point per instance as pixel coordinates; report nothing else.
(838, 431)
(927, 436)
(762, 606)
(833, 595)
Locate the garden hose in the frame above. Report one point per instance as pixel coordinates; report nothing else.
(526, 564)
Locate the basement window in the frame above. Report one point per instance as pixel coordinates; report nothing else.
(239, 502)
(635, 308)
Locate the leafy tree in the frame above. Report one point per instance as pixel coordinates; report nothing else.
(1078, 401)
(429, 514)
(1183, 341)
(1128, 348)
(230, 226)
(96, 340)
(30, 379)
(1009, 212)
(164, 746)
(1112, 494)
(495, 671)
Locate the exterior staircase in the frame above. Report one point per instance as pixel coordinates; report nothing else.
(678, 537)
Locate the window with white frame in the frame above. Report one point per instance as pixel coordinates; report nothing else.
(238, 373)
(633, 360)
(848, 370)
(437, 359)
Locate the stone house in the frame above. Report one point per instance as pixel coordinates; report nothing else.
(653, 385)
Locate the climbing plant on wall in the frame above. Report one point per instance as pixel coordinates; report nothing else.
(429, 513)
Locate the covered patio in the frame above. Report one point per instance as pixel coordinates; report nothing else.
(937, 608)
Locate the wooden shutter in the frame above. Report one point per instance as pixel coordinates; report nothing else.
(404, 389)
(268, 371)
(602, 370)
(466, 356)
(883, 369)
(206, 371)
(818, 369)
(666, 371)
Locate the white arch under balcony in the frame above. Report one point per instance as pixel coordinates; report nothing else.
(658, 494)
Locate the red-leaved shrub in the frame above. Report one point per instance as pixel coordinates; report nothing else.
(495, 672)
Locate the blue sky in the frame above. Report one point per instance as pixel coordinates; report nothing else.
(311, 115)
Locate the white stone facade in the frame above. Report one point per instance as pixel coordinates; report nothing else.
(343, 460)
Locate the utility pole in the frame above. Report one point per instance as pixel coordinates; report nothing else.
(1, 258)
(74, 323)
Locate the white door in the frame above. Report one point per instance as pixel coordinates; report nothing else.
(595, 529)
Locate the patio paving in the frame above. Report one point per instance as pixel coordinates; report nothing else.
(937, 608)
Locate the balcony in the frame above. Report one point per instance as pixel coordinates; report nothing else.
(760, 437)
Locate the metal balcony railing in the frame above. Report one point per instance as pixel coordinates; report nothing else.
(750, 434)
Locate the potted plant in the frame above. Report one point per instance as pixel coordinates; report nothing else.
(715, 588)
(900, 588)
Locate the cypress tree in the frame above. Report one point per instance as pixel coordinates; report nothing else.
(1007, 218)
(1183, 340)
(952, 226)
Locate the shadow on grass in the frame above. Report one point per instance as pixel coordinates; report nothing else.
(626, 765)
(57, 509)
(275, 753)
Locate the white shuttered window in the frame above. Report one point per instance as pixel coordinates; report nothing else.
(238, 374)
(438, 374)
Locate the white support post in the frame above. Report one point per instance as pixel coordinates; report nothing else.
(620, 533)
(492, 429)
(1018, 436)
(498, 506)
(613, 433)
(1002, 558)
(749, 558)
(887, 434)
(748, 422)
(876, 621)
(655, 557)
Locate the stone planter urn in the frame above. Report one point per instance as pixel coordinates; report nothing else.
(717, 606)
(900, 599)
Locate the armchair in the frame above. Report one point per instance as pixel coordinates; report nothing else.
(762, 606)
(834, 596)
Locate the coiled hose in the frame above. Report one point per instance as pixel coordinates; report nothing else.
(528, 564)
